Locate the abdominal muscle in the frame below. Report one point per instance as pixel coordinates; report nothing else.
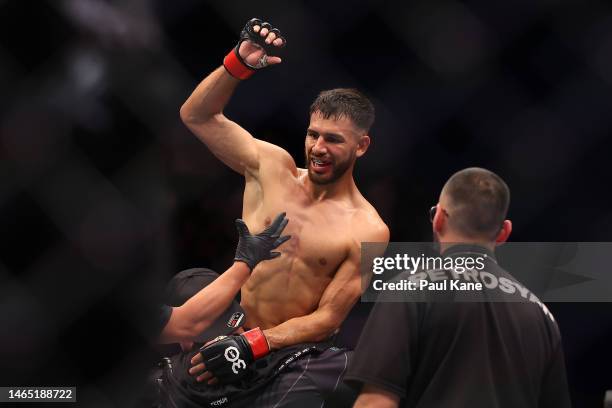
(280, 290)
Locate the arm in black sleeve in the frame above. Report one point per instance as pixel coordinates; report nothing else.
(164, 316)
(385, 354)
(555, 390)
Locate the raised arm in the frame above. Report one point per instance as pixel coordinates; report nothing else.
(203, 115)
(203, 110)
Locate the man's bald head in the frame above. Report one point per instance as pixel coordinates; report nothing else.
(477, 201)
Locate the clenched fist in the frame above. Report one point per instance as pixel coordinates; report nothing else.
(258, 43)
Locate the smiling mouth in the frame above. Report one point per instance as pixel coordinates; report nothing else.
(320, 164)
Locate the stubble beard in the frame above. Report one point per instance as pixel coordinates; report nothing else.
(338, 170)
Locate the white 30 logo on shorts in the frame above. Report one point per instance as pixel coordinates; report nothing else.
(233, 356)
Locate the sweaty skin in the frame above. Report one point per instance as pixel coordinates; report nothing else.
(305, 294)
(323, 238)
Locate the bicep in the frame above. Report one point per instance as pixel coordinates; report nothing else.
(345, 289)
(342, 292)
(229, 142)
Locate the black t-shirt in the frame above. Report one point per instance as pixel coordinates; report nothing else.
(164, 317)
(464, 354)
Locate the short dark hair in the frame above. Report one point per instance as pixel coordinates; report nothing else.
(478, 202)
(347, 102)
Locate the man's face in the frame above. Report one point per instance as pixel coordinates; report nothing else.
(331, 147)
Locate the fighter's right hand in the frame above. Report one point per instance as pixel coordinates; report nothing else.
(253, 249)
(258, 42)
(227, 359)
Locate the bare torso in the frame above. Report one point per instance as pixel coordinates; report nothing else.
(305, 294)
(292, 285)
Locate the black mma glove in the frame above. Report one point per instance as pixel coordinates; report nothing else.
(228, 358)
(253, 249)
(241, 62)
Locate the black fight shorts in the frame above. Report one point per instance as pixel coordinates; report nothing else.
(304, 375)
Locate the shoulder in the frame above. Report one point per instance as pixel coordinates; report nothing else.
(271, 155)
(367, 225)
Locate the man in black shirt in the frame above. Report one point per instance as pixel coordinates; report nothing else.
(501, 349)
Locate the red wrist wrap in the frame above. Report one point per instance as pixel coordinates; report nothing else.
(235, 67)
(257, 341)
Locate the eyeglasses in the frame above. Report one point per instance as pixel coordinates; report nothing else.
(432, 212)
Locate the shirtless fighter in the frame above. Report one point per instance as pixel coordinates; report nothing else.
(304, 295)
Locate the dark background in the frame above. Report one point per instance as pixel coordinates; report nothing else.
(104, 194)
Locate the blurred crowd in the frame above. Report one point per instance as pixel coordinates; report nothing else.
(104, 194)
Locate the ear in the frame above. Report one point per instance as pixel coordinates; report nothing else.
(505, 232)
(362, 145)
(439, 220)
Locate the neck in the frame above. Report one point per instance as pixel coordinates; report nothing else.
(344, 186)
(451, 239)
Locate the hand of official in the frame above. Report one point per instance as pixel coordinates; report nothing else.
(253, 249)
(226, 360)
(258, 43)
